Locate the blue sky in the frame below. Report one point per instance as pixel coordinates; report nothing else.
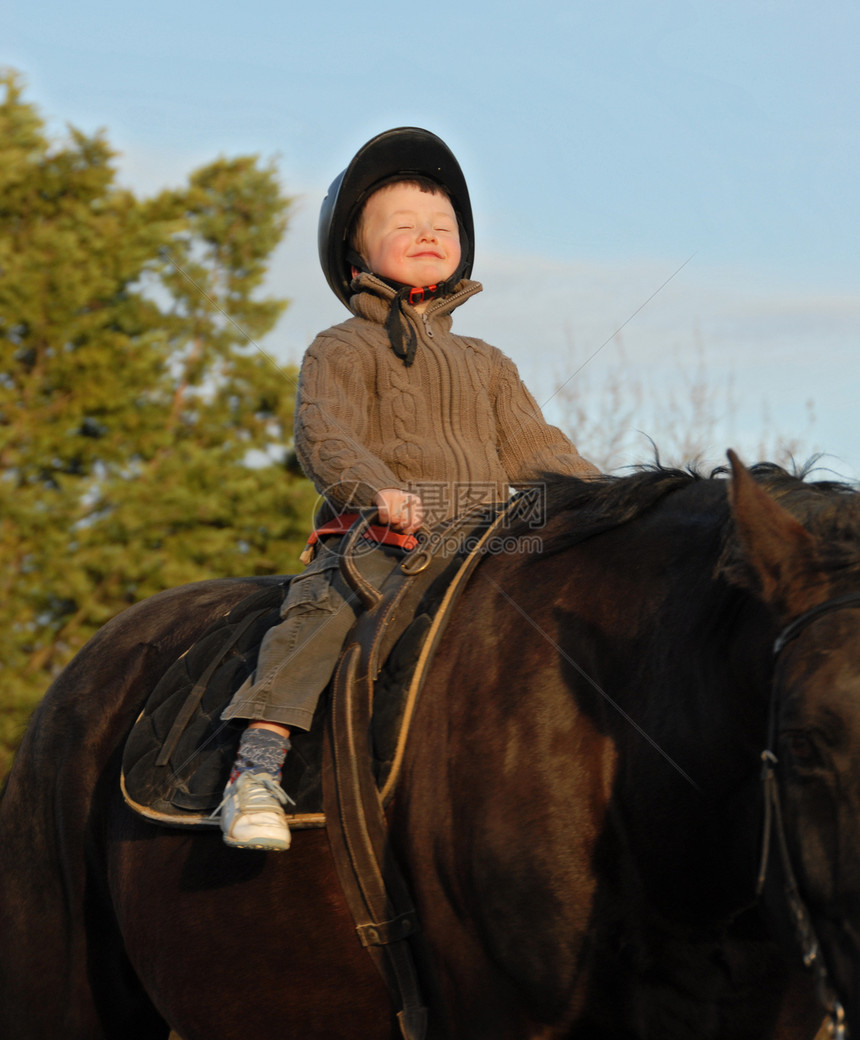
(684, 172)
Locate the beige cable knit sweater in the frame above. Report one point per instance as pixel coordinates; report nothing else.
(457, 427)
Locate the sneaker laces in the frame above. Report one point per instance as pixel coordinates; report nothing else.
(255, 794)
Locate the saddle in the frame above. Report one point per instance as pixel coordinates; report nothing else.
(179, 753)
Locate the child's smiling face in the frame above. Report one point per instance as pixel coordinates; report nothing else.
(410, 235)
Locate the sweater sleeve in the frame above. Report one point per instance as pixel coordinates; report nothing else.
(529, 447)
(331, 422)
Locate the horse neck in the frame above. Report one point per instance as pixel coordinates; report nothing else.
(671, 665)
(690, 789)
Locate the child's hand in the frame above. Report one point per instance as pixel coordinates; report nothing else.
(400, 510)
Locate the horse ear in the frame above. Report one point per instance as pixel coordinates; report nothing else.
(779, 552)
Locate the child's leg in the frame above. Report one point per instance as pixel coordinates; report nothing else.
(295, 664)
(275, 727)
(295, 661)
(298, 655)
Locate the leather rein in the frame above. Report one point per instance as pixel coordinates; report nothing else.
(773, 823)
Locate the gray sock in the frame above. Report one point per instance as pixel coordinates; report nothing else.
(261, 751)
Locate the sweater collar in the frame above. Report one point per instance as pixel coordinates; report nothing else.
(372, 300)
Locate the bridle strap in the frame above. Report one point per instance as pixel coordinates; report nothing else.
(792, 630)
(800, 916)
(801, 919)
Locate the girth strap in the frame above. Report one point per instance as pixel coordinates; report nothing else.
(385, 918)
(358, 833)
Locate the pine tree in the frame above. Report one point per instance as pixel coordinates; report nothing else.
(143, 432)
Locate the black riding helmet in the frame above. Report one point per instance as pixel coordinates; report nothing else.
(404, 152)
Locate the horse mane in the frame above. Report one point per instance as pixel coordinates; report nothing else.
(591, 507)
(829, 509)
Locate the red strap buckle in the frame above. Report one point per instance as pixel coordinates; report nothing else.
(419, 294)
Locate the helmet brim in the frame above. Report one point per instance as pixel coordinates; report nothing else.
(402, 152)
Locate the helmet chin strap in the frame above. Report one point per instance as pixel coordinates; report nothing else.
(395, 323)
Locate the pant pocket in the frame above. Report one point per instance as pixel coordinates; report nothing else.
(312, 591)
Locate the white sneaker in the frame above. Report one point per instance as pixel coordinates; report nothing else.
(252, 814)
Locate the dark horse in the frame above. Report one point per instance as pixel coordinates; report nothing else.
(579, 815)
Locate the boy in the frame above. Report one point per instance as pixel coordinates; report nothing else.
(393, 411)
